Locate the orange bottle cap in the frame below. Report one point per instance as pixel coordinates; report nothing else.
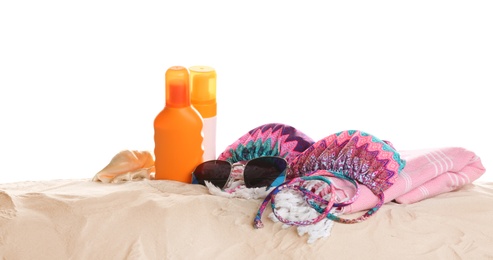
(177, 87)
(203, 90)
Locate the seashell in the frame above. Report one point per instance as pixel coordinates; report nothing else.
(133, 164)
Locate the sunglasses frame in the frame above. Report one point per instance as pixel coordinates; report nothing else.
(244, 164)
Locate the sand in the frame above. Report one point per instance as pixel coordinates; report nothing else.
(155, 219)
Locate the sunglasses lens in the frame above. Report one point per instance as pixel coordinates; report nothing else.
(216, 172)
(261, 172)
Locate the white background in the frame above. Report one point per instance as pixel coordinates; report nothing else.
(82, 80)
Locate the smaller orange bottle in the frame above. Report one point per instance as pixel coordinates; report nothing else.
(177, 130)
(203, 92)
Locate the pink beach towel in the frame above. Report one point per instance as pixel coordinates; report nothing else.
(427, 173)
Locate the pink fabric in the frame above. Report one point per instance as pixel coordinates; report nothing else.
(427, 173)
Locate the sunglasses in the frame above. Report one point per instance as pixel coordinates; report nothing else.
(258, 172)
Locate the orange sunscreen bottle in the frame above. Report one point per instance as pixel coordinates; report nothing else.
(203, 87)
(177, 130)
